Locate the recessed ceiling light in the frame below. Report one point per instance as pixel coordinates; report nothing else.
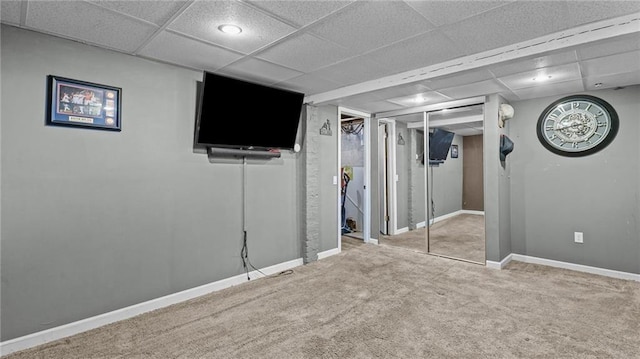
(230, 29)
(599, 84)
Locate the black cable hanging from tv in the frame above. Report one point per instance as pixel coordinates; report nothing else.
(244, 252)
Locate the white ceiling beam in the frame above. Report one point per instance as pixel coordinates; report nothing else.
(579, 35)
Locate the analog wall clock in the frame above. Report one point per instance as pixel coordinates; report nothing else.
(577, 125)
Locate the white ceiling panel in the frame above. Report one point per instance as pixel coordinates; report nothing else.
(425, 98)
(508, 24)
(373, 107)
(91, 24)
(368, 25)
(475, 89)
(539, 62)
(309, 84)
(459, 79)
(353, 71)
(582, 12)
(306, 53)
(544, 76)
(202, 19)
(446, 12)
(259, 71)
(158, 14)
(550, 90)
(176, 49)
(300, 13)
(625, 43)
(610, 65)
(611, 81)
(399, 91)
(10, 11)
(419, 51)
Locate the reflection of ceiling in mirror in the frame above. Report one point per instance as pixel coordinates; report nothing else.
(464, 121)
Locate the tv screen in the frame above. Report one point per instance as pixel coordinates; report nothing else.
(439, 143)
(234, 113)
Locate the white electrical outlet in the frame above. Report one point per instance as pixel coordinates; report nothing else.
(578, 237)
(335, 179)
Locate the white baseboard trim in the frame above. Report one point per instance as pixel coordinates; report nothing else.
(468, 211)
(501, 264)
(576, 267)
(329, 253)
(445, 216)
(421, 224)
(401, 230)
(49, 335)
(373, 241)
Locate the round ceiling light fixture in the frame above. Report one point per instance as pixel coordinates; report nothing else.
(230, 29)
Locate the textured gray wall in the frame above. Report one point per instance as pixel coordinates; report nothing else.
(402, 169)
(447, 183)
(328, 157)
(93, 221)
(374, 183)
(554, 196)
(416, 180)
(496, 185)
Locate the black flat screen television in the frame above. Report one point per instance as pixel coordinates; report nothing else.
(439, 144)
(233, 113)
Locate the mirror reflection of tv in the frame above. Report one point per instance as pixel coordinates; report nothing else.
(439, 143)
(239, 114)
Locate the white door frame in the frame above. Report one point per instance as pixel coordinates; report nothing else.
(392, 180)
(366, 230)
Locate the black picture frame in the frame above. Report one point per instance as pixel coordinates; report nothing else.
(454, 151)
(76, 103)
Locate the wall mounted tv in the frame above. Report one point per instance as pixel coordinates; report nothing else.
(439, 144)
(233, 113)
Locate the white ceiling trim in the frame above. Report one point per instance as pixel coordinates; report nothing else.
(435, 107)
(600, 30)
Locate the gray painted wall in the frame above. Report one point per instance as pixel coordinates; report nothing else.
(447, 182)
(403, 152)
(416, 183)
(329, 192)
(554, 196)
(374, 180)
(497, 215)
(93, 221)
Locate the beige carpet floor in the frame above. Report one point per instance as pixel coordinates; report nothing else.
(461, 237)
(384, 302)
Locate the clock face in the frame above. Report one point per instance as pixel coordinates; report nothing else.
(577, 125)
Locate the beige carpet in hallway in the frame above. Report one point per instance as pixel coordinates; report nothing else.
(384, 302)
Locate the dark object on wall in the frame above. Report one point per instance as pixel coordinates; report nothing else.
(239, 114)
(506, 146)
(83, 104)
(454, 151)
(439, 144)
(577, 125)
(325, 130)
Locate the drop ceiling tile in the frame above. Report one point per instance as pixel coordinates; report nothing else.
(305, 53)
(309, 84)
(91, 24)
(562, 88)
(583, 12)
(354, 70)
(300, 13)
(399, 91)
(446, 12)
(458, 79)
(508, 24)
(420, 99)
(609, 65)
(373, 107)
(368, 25)
(607, 47)
(158, 12)
(202, 19)
(544, 76)
(475, 89)
(416, 52)
(183, 51)
(514, 67)
(259, 71)
(10, 11)
(611, 81)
